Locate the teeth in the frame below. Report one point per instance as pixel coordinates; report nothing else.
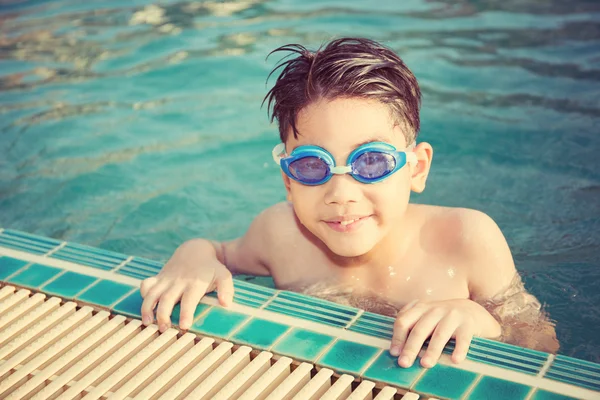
(347, 222)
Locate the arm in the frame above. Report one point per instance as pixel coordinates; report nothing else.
(490, 270)
(496, 285)
(200, 266)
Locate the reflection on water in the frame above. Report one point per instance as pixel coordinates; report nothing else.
(123, 124)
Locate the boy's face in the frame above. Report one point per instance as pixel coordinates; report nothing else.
(377, 209)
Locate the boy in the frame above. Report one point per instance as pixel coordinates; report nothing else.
(348, 119)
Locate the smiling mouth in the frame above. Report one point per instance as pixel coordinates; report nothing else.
(347, 225)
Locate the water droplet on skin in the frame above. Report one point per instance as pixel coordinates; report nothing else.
(407, 278)
(428, 291)
(451, 272)
(391, 271)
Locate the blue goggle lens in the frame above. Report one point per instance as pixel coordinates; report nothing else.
(309, 169)
(368, 166)
(373, 165)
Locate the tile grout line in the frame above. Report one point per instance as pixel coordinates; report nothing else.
(472, 387)
(55, 249)
(417, 378)
(355, 318)
(531, 393)
(76, 295)
(326, 349)
(370, 362)
(55, 277)
(280, 338)
(546, 366)
(239, 327)
(195, 319)
(266, 303)
(23, 268)
(120, 299)
(123, 263)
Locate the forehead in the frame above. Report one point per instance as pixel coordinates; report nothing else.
(342, 124)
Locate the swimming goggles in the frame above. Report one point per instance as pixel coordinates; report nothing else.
(369, 163)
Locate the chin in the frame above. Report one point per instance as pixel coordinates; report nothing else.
(350, 248)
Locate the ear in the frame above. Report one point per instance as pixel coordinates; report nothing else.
(420, 171)
(286, 183)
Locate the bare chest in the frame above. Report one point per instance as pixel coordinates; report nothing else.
(383, 290)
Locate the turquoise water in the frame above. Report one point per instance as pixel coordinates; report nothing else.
(134, 126)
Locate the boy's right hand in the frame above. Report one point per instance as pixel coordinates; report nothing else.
(192, 271)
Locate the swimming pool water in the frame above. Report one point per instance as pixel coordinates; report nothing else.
(133, 126)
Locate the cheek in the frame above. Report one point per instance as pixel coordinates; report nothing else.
(304, 199)
(390, 198)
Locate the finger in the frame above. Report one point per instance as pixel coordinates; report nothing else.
(418, 334)
(190, 299)
(408, 306)
(463, 335)
(402, 326)
(225, 289)
(442, 334)
(165, 307)
(150, 302)
(147, 284)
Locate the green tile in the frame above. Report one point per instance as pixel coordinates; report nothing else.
(490, 388)
(105, 293)
(130, 305)
(348, 356)
(218, 322)
(9, 266)
(445, 381)
(260, 333)
(35, 275)
(200, 308)
(68, 284)
(545, 395)
(386, 369)
(303, 344)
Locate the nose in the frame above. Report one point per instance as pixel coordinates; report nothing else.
(342, 189)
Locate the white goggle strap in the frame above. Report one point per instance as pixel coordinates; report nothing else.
(278, 153)
(411, 157)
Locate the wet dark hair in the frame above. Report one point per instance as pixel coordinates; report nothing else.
(346, 67)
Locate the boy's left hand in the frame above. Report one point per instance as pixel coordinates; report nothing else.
(441, 320)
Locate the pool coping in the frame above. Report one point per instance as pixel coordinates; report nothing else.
(537, 370)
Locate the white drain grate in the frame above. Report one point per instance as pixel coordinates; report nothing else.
(50, 349)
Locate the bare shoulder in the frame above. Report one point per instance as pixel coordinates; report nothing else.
(278, 230)
(475, 240)
(486, 253)
(278, 221)
(253, 252)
